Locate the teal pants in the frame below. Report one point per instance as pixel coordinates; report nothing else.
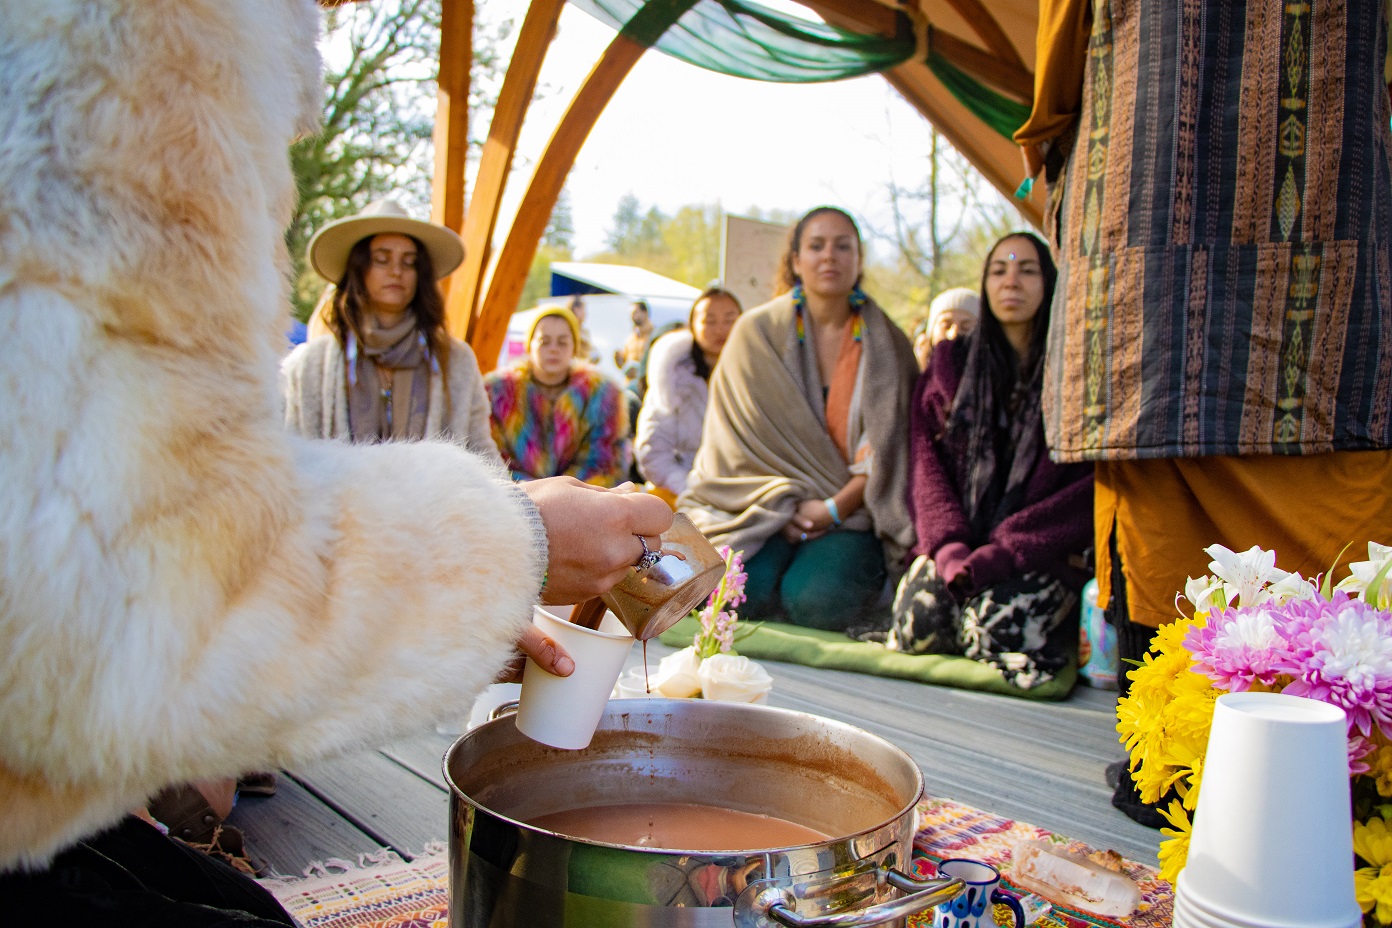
(829, 583)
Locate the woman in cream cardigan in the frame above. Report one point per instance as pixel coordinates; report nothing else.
(388, 370)
(803, 460)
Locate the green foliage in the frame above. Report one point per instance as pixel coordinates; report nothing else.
(684, 246)
(538, 286)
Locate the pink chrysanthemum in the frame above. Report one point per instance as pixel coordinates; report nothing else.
(1359, 748)
(1238, 647)
(1340, 652)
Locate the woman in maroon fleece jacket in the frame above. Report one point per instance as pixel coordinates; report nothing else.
(1003, 532)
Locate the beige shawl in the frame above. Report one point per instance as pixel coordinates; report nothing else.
(314, 387)
(765, 448)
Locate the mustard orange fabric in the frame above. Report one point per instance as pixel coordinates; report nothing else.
(1061, 48)
(1167, 510)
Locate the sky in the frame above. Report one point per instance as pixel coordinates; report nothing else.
(675, 134)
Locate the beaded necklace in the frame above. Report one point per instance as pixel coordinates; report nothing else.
(858, 299)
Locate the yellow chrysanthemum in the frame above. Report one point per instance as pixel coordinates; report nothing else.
(1380, 764)
(1174, 852)
(1372, 841)
(1372, 887)
(1189, 716)
(1138, 723)
(1170, 638)
(1185, 763)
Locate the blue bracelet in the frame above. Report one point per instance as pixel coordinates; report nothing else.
(830, 503)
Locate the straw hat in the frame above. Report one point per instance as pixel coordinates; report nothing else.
(328, 250)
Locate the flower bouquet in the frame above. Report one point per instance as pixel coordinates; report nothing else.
(1254, 627)
(710, 667)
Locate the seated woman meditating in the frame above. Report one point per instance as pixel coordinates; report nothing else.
(1003, 532)
(554, 416)
(388, 369)
(674, 408)
(803, 462)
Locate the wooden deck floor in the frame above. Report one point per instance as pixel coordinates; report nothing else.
(1041, 763)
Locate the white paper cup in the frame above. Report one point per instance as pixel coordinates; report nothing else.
(564, 711)
(1272, 843)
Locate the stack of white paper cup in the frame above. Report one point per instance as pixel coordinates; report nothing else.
(565, 711)
(1272, 843)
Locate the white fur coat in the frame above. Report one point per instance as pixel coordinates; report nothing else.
(186, 591)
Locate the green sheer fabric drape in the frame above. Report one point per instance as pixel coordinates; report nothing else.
(745, 39)
(748, 40)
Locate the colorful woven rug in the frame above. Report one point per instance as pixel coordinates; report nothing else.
(382, 892)
(387, 892)
(948, 829)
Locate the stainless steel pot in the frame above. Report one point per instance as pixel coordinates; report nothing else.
(832, 777)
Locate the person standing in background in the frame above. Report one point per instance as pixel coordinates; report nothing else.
(584, 347)
(1221, 205)
(636, 345)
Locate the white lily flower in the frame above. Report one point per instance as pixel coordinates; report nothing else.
(1364, 572)
(1292, 587)
(1205, 594)
(1245, 575)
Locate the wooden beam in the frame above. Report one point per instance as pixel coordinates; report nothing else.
(452, 117)
(981, 21)
(538, 29)
(1008, 78)
(510, 275)
(857, 15)
(452, 113)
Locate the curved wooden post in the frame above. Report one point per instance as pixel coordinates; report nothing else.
(452, 113)
(538, 29)
(510, 275)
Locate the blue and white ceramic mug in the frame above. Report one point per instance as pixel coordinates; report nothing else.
(972, 909)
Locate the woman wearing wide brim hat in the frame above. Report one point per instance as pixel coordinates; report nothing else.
(388, 370)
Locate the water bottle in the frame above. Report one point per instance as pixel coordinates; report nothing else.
(1103, 661)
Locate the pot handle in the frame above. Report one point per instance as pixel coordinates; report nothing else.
(504, 708)
(776, 904)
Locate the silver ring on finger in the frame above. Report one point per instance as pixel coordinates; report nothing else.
(649, 558)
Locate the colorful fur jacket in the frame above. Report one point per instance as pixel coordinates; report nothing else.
(582, 433)
(186, 591)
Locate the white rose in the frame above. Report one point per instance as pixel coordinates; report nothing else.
(676, 675)
(731, 678)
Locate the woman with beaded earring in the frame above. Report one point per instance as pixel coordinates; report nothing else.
(803, 460)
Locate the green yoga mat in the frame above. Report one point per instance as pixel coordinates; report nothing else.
(793, 644)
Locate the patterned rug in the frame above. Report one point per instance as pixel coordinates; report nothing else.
(949, 829)
(387, 892)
